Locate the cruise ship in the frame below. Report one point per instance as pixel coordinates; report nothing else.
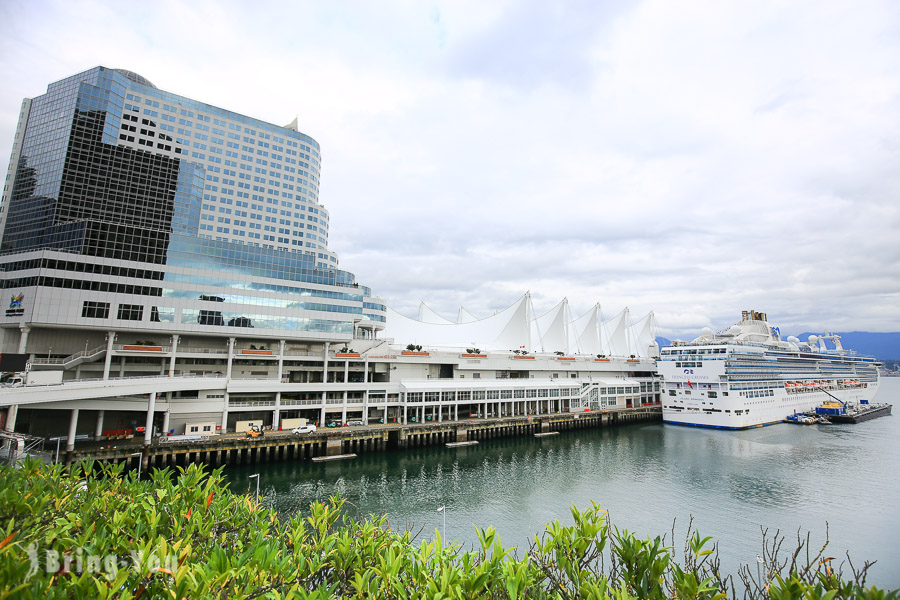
(747, 376)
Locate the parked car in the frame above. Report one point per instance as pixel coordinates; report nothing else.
(304, 429)
(354, 423)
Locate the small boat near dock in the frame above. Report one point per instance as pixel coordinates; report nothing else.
(333, 457)
(800, 419)
(461, 444)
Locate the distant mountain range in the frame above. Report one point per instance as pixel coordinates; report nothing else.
(883, 346)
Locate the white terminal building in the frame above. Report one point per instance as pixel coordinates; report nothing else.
(167, 264)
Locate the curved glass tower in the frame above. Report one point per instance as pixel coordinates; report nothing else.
(131, 209)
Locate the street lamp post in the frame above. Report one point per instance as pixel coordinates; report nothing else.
(57, 447)
(256, 476)
(444, 529)
(140, 460)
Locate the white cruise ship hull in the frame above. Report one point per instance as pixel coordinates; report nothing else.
(747, 376)
(758, 412)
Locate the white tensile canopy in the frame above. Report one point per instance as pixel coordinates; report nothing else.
(506, 330)
(426, 315)
(617, 335)
(644, 338)
(516, 328)
(586, 332)
(465, 316)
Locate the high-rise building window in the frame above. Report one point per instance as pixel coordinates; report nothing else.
(131, 312)
(95, 310)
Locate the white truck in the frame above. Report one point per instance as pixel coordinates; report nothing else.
(35, 378)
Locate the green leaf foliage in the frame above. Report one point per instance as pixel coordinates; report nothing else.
(92, 531)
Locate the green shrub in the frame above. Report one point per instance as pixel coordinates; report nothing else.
(92, 532)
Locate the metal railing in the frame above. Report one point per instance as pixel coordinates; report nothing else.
(192, 350)
(90, 353)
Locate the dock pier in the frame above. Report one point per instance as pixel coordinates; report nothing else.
(284, 446)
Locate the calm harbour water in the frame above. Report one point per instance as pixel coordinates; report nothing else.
(785, 477)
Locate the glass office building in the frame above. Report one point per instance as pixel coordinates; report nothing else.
(132, 210)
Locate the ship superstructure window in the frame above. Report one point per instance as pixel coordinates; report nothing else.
(95, 310)
(131, 312)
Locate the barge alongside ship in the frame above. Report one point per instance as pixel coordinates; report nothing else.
(838, 412)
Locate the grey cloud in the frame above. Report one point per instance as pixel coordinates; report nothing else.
(537, 43)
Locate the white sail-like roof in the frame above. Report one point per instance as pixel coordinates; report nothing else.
(507, 330)
(516, 328)
(426, 315)
(465, 316)
(586, 333)
(617, 335)
(643, 335)
(552, 328)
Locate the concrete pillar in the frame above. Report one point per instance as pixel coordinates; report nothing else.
(276, 416)
(166, 415)
(456, 411)
(333, 446)
(324, 380)
(24, 330)
(225, 414)
(405, 421)
(73, 423)
(365, 415)
(99, 430)
(280, 360)
(11, 413)
(344, 409)
(440, 410)
(230, 357)
(122, 367)
(110, 340)
(365, 369)
(148, 428)
(175, 338)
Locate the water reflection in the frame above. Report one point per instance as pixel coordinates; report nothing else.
(781, 477)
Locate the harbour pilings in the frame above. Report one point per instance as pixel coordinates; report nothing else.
(283, 446)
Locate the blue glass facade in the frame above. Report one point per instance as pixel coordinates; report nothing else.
(198, 205)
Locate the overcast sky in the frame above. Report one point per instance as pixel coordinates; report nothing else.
(690, 158)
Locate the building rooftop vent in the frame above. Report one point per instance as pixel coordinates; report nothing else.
(136, 78)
